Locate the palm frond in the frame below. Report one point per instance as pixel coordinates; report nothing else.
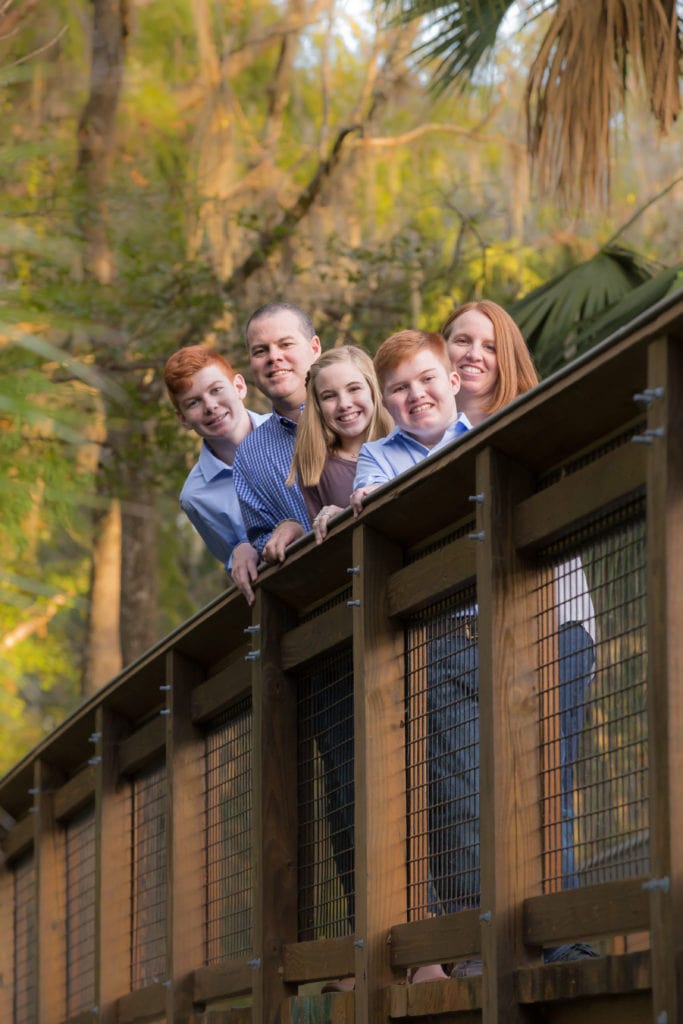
(460, 34)
(579, 82)
(580, 307)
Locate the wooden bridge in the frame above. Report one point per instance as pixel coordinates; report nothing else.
(249, 810)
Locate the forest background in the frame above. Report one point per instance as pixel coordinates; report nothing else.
(168, 166)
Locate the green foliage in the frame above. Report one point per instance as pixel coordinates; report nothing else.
(576, 309)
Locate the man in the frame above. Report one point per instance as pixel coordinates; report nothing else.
(282, 345)
(208, 397)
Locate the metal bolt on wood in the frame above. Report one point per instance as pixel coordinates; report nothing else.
(486, 917)
(657, 883)
(476, 536)
(256, 628)
(353, 604)
(648, 436)
(252, 656)
(353, 570)
(476, 499)
(648, 395)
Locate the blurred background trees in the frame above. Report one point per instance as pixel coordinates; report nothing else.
(167, 167)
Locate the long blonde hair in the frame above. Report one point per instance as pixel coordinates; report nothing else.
(314, 439)
(516, 370)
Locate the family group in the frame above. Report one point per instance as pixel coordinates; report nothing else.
(341, 426)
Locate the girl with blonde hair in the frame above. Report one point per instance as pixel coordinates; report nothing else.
(343, 410)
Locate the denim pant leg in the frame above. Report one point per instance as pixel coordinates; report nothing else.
(332, 726)
(576, 667)
(453, 770)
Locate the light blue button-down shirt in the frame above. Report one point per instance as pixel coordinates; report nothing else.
(381, 461)
(209, 501)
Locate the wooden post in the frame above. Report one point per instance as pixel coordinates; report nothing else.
(665, 682)
(50, 898)
(275, 809)
(112, 866)
(185, 835)
(508, 707)
(8, 944)
(379, 702)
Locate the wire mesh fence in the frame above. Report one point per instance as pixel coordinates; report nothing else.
(79, 851)
(24, 985)
(592, 658)
(442, 752)
(228, 788)
(148, 912)
(326, 796)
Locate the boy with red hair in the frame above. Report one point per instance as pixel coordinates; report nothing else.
(208, 397)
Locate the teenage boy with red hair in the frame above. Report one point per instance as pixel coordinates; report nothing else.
(208, 397)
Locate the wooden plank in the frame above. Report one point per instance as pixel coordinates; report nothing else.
(142, 1004)
(612, 908)
(185, 835)
(211, 983)
(50, 899)
(332, 1008)
(598, 485)
(319, 960)
(436, 940)
(274, 810)
(634, 1008)
(432, 577)
(379, 753)
(19, 839)
(222, 689)
(141, 746)
(320, 634)
(510, 825)
(7, 945)
(665, 674)
(605, 975)
(112, 867)
(75, 794)
(431, 999)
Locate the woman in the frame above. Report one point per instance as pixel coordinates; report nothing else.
(488, 351)
(343, 410)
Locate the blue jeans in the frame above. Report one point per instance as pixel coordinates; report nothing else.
(453, 755)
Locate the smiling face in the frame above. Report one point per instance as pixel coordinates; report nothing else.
(471, 340)
(212, 406)
(420, 395)
(345, 402)
(280, 355)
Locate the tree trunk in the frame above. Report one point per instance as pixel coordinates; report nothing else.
(138, 621)
(103, 657)
(96, 131)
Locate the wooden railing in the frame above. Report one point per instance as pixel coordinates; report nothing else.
(152, 845)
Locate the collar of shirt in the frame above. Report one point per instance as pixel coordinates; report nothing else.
(455, 429)
(209, 463)
(286, 422)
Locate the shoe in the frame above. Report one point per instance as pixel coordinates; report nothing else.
(339, 985)
(467, 969)
(575, 951)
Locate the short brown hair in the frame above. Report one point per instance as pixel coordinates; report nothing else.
(183, 364)
(406, 344)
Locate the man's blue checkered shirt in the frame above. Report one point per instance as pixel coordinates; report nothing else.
(262, 465)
